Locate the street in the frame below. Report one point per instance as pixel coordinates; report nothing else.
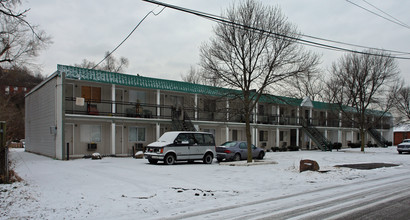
(382, 198)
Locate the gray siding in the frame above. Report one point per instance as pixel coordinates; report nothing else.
(40, 116)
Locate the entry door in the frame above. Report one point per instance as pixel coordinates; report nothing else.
(293, 137)
(119, 98)
(119, 147)
(69, 138)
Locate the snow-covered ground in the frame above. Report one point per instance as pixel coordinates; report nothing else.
(127, 188)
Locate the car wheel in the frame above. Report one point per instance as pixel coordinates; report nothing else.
(208, 158)
(237, 157)
(400, 152)
(169, 159)
(152, 161)
(261, 155)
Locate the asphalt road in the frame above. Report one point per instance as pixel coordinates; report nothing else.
(382, 198)
(397, 209)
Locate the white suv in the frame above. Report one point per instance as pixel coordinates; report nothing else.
(182, 146)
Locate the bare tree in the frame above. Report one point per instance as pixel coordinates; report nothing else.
(19, 40)
(360, 83)
(401, 102)
(193, 76)
(250, 58)
(311, 85)
(110, 64)
(199, 76)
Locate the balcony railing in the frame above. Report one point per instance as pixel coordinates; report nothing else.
(123, 109)
(146, 110)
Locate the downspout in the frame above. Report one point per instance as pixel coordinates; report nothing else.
(63, 116)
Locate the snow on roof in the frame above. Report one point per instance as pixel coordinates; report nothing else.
(402, 127)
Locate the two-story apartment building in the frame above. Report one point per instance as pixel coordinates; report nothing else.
(78, 111)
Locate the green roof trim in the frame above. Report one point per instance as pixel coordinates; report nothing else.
(136, 81)
(100, 76)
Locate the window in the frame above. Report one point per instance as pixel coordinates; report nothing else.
(242, 145)
(281, 135)
(184, 137)
(90, 133)
(199, 138)
(136, 134)
(261, 109)
(209, 105)
(177, 101)
(263, 135)
(209, 139)
(90, 93)
(137, 96)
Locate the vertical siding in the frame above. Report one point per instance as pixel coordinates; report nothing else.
(40, 116)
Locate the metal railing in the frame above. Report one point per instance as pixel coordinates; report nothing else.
(147, 110)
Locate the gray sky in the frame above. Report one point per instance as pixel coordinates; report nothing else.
(165, 46)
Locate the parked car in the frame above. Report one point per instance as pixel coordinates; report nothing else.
(404, 146)
(237, 150)
(182, 146)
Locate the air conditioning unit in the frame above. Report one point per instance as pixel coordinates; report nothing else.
(139, 146)
(92, 146)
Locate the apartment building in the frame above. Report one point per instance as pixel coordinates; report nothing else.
(76, 112)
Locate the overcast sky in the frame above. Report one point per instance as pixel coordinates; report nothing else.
(165, 46)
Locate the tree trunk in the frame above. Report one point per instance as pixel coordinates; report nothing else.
(248, 136)
(4, 176)
(362, 139)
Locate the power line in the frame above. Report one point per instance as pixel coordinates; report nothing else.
(399, 23)
(220, 19)
(385, 13)
(109, 54)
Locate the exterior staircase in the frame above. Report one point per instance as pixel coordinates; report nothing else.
(317, 137)
(181, 125)
(381, 141)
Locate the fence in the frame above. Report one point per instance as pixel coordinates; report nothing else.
(4, 167)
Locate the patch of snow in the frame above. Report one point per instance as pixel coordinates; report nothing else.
(125, 188)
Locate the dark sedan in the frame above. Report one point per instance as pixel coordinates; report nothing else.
(237, 150)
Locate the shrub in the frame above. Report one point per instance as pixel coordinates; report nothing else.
(283, 149)
(293, 148)
(274, 149)
(337, 146)
(354, 145)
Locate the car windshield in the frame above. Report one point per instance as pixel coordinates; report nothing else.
(406, 141)
(168, 137)
(229, 144)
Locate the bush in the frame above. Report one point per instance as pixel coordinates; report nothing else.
(354, 145)
(274, 149)
(293, 148)
(337, 146)
(282, 149)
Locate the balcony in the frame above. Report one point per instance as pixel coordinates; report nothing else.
(146, 110)
(123, 109)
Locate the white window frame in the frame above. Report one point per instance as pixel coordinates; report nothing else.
(90, 133)
(136, 134)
